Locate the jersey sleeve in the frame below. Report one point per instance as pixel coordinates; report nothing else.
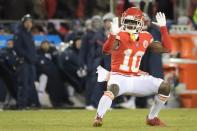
(166, 41)
(109, 43)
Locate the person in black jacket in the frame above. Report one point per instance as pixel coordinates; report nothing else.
(47, 65)
(89, 57)
(25, 71)
(72, 70)
(8, 60)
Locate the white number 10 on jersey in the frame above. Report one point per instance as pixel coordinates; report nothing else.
(135, 60)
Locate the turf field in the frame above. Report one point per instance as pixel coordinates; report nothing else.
(81, 120)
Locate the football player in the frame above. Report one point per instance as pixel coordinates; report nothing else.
(127, 45)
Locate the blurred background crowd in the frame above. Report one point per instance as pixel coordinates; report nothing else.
(64, 75)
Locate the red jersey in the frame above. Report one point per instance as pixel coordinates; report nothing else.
(127, 57)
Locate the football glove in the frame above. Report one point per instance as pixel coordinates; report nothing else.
(160, 19)
(115, 26)
(82, 72)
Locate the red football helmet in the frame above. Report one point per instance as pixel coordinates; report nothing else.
(132, 20)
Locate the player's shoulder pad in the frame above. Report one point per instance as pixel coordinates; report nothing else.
(146, 34)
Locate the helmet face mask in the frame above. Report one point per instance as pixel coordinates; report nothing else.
(132, 20)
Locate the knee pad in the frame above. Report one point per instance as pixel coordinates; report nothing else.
(114, 88)
(164, 89)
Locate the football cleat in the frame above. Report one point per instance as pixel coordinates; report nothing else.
(97, 121)
(154, 122)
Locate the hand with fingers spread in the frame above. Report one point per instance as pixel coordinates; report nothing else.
(160, 19)
(115, 29)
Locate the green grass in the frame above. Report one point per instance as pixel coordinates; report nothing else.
(81, 120)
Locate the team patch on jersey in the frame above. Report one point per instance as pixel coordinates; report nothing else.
(145, 43)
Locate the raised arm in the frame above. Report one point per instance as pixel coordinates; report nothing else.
(113, 40)
(111, 44)
(166, 43)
